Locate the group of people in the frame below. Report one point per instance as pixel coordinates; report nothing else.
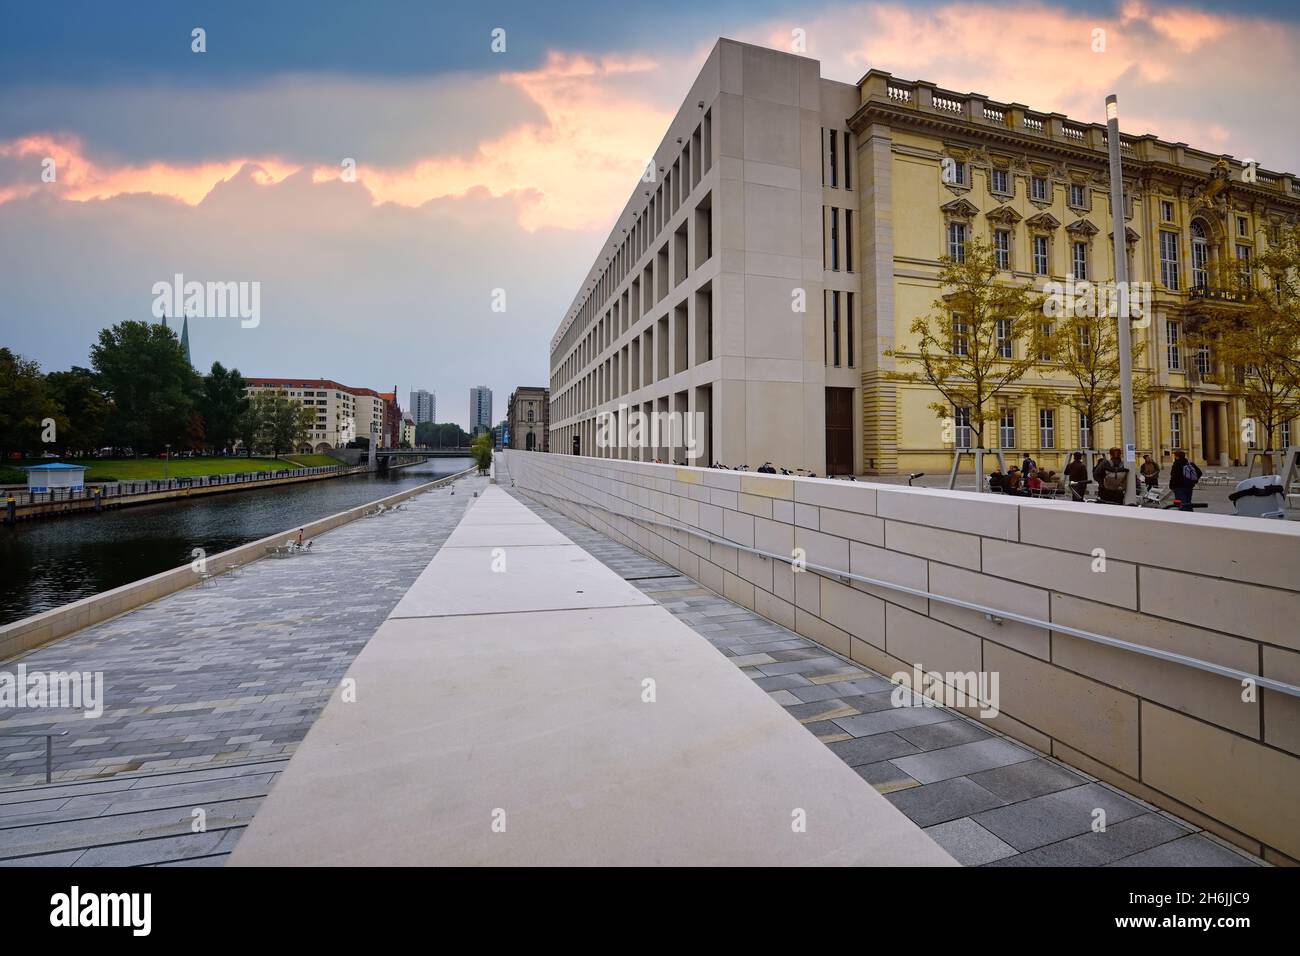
(1028, 480)
(1110, 474)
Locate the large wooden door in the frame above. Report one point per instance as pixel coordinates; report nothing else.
(839, 431)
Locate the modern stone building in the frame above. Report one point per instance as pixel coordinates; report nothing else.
(790, 231)
(528, 418)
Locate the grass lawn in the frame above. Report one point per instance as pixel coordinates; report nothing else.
(141, 469)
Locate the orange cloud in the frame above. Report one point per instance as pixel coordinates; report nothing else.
(573, 171)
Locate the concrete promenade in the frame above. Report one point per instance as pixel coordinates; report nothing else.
(526, 705)
(986, 799)
(207, 692)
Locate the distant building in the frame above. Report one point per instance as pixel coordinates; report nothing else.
(529, 418)
(392, 430)
(408, 432)
(501, 434)
(342, 412)
(424, 406)
(480, 408)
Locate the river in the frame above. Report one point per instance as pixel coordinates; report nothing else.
(49, 562)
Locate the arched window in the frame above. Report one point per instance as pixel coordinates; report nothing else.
(1200, 256)
(530, 414)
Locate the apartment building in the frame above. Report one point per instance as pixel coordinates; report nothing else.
(789, 232)
(528, 419)
(480, 408)
(424, 406)
(342, 412)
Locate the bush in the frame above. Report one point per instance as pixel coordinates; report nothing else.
(481, 452)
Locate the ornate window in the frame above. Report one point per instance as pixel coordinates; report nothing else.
(1038, 191)
(1200, 255)
(1046, 428)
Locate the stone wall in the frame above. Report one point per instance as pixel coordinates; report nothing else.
(1218, 588)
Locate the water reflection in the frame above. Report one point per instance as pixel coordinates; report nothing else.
(46, 563)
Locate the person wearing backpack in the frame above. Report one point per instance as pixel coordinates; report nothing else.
(1183, 476)
(1150, 472)
(1111, 475)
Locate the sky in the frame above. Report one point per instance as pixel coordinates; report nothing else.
(418, 209)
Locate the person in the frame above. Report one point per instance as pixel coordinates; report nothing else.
(1013, 485)
(1028, 465)
(1111, 475)
(11, 508)
(997, 482)
(1076, 472)
(1150, 472)
(1183, 476)
(300, 537)
(1034, 483)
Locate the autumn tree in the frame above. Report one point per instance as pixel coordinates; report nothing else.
(1082, 344)
(965, 347)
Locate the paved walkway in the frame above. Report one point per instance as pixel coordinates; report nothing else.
(986, 799)
(524, 705)
(212, 687)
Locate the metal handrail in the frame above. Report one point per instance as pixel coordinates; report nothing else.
(49, 745)
(994, 614)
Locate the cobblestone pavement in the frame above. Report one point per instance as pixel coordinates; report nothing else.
(235, 671)
(986, 799)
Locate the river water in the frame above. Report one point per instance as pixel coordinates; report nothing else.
(49, 562)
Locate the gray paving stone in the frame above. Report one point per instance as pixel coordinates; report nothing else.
(1196, 850)
(1023, 781)
(842, 688)
(1056, 816)
(943, 801)
(1119, 840)
(947, 734)
(884, 776)
(969, 843)
(893, 719)
(784, 682)
(963, 759)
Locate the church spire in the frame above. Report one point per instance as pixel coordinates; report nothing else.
(185, 338)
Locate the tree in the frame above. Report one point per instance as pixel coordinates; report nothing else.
(142, 368)
(1085, 347)
(961, 345)
(26, 405)
(248, 425)
(444, 435)
(286, 423)
(481, 452)
(85, 410)
(221, 404)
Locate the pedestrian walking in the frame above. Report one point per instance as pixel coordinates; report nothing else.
(1076, 473)
(1183, 476)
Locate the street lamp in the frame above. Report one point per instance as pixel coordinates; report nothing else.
(1128, 421)
(167, 460)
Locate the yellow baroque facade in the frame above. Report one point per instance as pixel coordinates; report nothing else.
(937, 166)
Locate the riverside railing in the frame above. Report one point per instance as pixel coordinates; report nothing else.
(108, 491)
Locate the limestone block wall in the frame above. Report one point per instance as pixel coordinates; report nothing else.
(1217, 588)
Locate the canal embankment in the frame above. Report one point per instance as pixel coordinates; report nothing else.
(31, 632)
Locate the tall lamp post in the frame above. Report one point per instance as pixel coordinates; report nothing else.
(1128, 421)
(167, 460)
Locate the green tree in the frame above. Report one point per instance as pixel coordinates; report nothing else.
(481, 452)
(221, 405)
(276, 423)
(25, 404)
(85, 410)
(960, 347)
(140, 366)
(1085, 349)
(248, 424)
